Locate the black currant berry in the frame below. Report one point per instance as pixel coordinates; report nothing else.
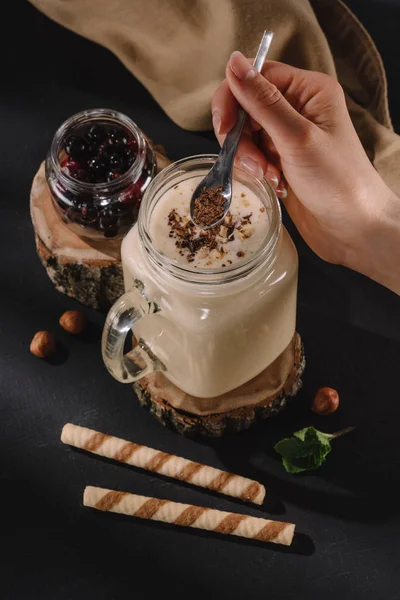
(84, 199)
(92, 150)
(110, 231)
(76, 147)
(88, 211)
(116, 161)
(105, 150)
(98, 168)
(96, 135)
(109, 222)
(118, 138)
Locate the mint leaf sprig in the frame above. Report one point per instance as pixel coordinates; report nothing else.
(307, 449)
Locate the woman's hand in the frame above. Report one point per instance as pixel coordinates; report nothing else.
(300, 126)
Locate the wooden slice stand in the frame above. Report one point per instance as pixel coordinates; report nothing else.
(89, 271)
(263, 396)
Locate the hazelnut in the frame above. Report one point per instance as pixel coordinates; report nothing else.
(326, 401)
(43, 344)
(73, 321)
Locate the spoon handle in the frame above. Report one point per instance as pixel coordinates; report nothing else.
(263, 50)
(231, 142)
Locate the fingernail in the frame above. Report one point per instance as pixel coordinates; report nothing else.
(216, 120)
(281, 192)
(251, 166)
(272, 179)
(240, 66)
(271, 176)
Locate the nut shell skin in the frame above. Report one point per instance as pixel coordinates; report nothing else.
(326, 401)
(43, 344)
(73, 321)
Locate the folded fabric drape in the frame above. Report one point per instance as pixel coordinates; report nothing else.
(179, 48)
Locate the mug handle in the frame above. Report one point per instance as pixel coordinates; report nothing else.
(124, 313)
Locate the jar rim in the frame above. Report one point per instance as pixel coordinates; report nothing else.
(264, 255)
(85, 117)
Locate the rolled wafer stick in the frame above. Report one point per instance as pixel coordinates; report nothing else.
(163, 463)
(187, 515)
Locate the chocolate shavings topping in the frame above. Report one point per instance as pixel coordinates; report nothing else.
(209, 206)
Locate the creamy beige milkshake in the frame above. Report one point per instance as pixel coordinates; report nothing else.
(226, 307)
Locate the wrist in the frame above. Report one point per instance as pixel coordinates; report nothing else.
(375, 251)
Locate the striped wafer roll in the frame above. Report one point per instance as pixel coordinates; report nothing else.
(163, 463)
(188, 515)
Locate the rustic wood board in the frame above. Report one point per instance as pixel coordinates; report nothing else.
(90, 272)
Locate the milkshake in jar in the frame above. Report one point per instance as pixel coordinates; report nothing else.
(211, 308)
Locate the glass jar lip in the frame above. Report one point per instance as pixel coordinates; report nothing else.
(263, 255)
(84, 117)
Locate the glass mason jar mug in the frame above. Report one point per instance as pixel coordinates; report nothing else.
(208, 330)
(98, 167)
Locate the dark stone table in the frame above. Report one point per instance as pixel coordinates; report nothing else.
(347, 513)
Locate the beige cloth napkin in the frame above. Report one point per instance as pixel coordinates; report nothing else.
(179, 48)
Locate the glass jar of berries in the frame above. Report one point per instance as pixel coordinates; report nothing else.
(98, 167)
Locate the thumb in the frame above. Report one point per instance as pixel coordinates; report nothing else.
(264, 102)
